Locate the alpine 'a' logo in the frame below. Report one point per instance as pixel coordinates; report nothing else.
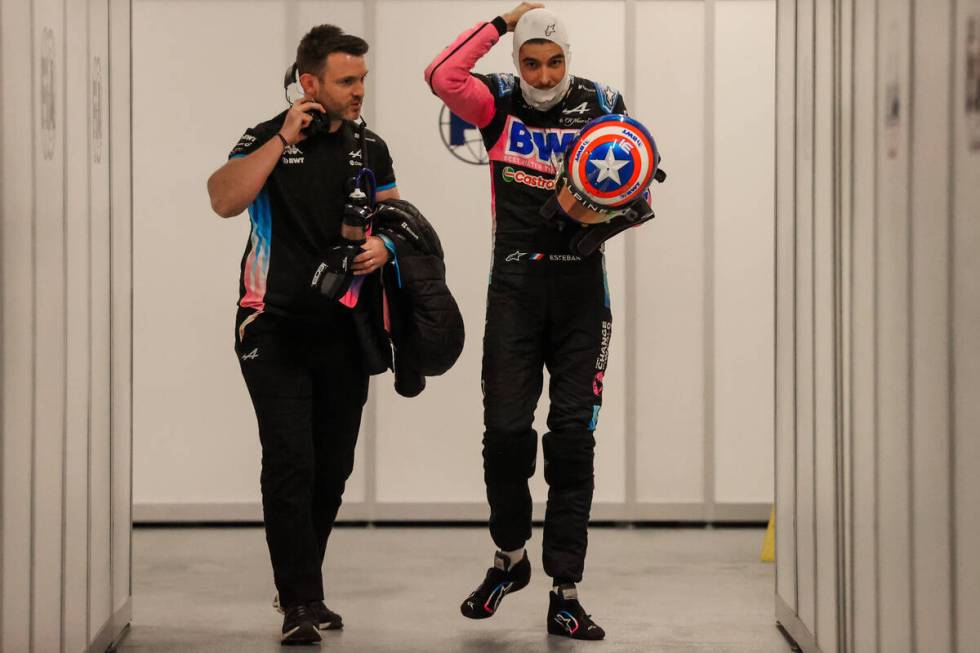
(582, 108)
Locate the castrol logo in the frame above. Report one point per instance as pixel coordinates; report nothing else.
(521, 177)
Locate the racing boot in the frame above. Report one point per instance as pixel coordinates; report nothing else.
(567, 617)
(502, 579)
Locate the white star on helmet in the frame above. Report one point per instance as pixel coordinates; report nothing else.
(609, 167)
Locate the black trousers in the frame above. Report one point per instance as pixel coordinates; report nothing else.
(554, 314)
(308, 387)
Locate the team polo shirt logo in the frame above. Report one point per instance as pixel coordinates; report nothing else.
(531, 147)
(292, 155)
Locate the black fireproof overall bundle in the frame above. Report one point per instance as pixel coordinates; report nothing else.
(414, 323)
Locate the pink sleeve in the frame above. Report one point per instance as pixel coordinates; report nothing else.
(449, 75)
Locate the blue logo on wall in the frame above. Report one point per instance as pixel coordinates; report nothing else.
(461, 138)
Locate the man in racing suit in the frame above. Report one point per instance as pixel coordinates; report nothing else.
(546, 306)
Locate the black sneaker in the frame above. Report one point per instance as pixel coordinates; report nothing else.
(326, 618)
(566, 616)
(501, 580)
(299, 626)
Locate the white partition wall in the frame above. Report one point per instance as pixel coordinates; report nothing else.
(686, 429)
(66, 309)
(877, 188)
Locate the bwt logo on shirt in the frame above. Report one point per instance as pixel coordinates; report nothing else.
(544, 145)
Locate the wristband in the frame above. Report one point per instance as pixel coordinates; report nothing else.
(282, 138)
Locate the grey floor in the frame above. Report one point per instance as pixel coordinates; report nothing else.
(398, 589)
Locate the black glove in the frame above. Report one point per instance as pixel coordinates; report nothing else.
(333, 275)
(588, 239)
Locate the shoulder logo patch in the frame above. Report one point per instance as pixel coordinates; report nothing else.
(505, 83)
(608, 96)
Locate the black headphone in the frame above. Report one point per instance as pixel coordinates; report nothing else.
(319, 124)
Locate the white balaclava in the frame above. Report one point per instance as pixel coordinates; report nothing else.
(542, 24)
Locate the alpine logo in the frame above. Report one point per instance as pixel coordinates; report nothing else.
(251, 356)
(580, 109)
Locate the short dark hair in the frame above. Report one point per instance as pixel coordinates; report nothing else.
(311, 55)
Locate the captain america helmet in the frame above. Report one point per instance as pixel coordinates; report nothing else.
(610, 162)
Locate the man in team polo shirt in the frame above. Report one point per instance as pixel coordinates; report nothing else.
(297, 348)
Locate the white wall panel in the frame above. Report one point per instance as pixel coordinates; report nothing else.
(66, 344)
(893, 331)
(187, 258)
(49, 319)
(844, 16)
(121, 324)
(448, 417)
(805, 436)
(78, 94)
(863, 550)
(930, 310)
(892, 244)
(669, 100)
(100, 596)
(824, 324)
(785, 270)
(966, 316)
(17, 332)
(744, 105)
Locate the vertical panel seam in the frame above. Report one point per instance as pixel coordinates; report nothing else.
(630, 422)
(813, 310)
(950, 328)
(911, 330)
(775, 282)
(875, 330)
(88, 375)
(112, 305)
(796, 238)
(630, 419)
(369, 23)
(33, 466)
(132, 293)
(64, 335)
(838, 348)
(3, 366)
(708, 455)
(796, 385)
(849, 544)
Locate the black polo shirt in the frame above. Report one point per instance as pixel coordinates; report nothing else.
(296, 216)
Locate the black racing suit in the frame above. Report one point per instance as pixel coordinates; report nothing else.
(545, 306)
